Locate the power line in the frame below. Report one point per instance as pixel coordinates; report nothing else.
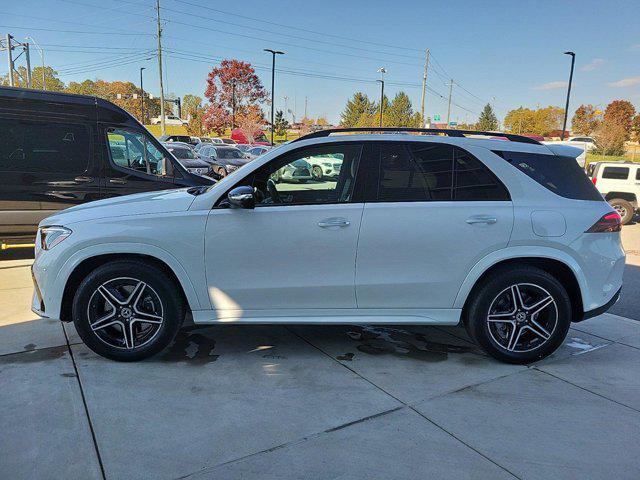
(324, 34)
(72, 31)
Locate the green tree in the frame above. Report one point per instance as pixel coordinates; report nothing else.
(280, 124)
(191, 104)
(520, 120)
(488, 120)
(635, 128)
(400, 113)
(51, 80)
(353, 112)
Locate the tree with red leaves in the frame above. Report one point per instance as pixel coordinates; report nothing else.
(234, 82)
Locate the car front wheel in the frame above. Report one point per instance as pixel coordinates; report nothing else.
(127, 310)
(519, 315)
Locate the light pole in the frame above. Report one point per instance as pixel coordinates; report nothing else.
(41, 52)
(233, 104)
(381, 71)
(566, 108)
(141, 97)
(273, 80)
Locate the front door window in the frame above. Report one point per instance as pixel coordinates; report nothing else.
(134, 151)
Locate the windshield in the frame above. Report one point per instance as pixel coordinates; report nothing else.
(182, 153)
(229, 153)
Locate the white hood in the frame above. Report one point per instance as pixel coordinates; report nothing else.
(138, 204)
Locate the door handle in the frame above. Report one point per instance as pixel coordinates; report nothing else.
(118, 181)
(334, 222)
(481, 219)
(83, 179)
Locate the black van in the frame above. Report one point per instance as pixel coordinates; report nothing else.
(59, 150)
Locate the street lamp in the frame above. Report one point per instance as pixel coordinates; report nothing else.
(141, 97)
(273, 79)
(381, 71)
(41, 52)
(566, 108)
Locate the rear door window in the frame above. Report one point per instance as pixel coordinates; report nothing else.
(422, 171)
(616, 173)
(31, 146)
(562, 175)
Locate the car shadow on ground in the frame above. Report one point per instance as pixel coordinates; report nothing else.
(196, 345)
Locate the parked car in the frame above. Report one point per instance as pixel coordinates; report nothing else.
(217, 140)
(58, 150)
(504, 237)
(256, 151)
(323, 167)
(239, 137)
(619, 184)
(223, 159)
(566, 149)
(169, 120)
(297, 171)
(178, 138)
(186, 156)
(229, 141)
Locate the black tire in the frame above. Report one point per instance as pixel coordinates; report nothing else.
(222, 172)
(496, 336)
(155, 285)
(316, 173)
(624, 208)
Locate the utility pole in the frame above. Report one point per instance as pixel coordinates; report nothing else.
(424, 89)
(566, 108)
(141, 97)
(10, 59)
(305, 107)
(41, 52)
(381, 71)
(273, 81)
(163, 127)
(25, 49)
(449, 107)
(233, 104)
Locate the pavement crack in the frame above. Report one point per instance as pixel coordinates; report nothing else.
(86, 407)
(297, 441)
(539, 369)
(407, 405)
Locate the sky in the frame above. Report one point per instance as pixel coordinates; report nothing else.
(507, 53)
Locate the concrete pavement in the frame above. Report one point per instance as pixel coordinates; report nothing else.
(274, 402)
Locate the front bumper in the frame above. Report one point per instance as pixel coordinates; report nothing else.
(600, 310)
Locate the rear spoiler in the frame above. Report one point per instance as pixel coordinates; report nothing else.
(564, 150)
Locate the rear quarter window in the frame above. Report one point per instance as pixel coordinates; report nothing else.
(616, 173)
(562, 175)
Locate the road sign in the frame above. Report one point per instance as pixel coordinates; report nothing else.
(453, 124)
(436, 117)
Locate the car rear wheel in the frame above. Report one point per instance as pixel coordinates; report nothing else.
(519, 315)
(624, 208)
(316, 172)
(222, 172)
(127, 310)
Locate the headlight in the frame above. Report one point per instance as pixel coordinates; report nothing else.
(328, 165)
(52, 236)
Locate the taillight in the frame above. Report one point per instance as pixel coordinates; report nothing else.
(610, 222)
(594, 180)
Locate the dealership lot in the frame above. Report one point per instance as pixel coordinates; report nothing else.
(318, 401)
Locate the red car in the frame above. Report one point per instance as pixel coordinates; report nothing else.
(259, 137)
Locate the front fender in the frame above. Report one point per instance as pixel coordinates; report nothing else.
(54, 295)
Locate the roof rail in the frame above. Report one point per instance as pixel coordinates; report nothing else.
(436, 131)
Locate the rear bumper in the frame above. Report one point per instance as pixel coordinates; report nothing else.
(600, 310)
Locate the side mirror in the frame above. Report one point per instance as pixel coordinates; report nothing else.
(242, 197)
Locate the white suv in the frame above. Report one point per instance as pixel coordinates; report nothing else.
(619, 184)
(506, 237)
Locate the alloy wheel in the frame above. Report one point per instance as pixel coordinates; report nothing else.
(622, 211)
(125, 313)
(522, 317)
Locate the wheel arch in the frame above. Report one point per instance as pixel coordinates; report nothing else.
(78, 266)
(561, 269)
(628, 196)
